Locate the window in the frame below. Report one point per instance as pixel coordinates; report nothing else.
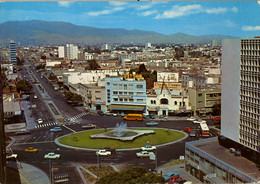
(130, 87)
(131, 100)
(131, 93)
(115, 99)
(200, 95)
(120, 92)
(120, 86)
(121, 99)
(139, 93)
(139, 86)
(125, 93)
(140, 100)
(97, 91)
(114, 85)
(108, 83)
(115, 92)
(125, 87)
(175, 102)
(164, 101)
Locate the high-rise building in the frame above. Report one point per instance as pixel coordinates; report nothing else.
(240, 118)
(214, 43)
(69, 51)
(12, 52)
(61, 51)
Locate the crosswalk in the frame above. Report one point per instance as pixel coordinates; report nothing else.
(66, 121)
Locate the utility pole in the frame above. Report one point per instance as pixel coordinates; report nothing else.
(2, 132)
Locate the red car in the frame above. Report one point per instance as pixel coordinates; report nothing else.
(187, 129)
(173, 178)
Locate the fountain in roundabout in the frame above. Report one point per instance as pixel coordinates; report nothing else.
(122, 133)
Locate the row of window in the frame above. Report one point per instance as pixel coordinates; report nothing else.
(127, 100)
(128, 93)
(126, 86)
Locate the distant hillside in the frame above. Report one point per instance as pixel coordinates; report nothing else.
(54, 33)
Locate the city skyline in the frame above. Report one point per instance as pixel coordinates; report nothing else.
(234, 18)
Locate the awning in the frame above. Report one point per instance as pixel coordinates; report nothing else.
(126, 107)
(152, 108)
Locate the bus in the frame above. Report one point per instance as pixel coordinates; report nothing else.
(204, 130)
(134, 117)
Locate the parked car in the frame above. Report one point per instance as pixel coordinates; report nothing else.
(31, 150)
(101, 113)
(237, 153)
(56, 129)
(187, 129)
(35, 97)
(143, 154)
(103, 152)
(148, 148)
(152, 116)
(152, 123)
(114, 114)
(199, 121)
(191, 119)
(123, 114)
(168, 175)
(112, 150)
(174, 179)
(11, 156)
(52, 155)
(22, 132)
(232, 150)
(145, 116)
(89, 126)
(108, 113)
(40, 121)
(193, 134)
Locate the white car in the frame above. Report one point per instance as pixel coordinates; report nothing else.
(191, 119)
(114, 114)
(89, 126)
(103, 152)
(143, 154)
(40, 121)
(199, 121)
(35, 96)
(11, 156)
(148, 148)
(52, 155)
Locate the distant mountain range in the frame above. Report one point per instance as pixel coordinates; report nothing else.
(57, 33)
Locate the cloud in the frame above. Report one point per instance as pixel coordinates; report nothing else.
(216, 10)
(147, 13)
(234, 9)
(118, 3)
(179, 11)
(105, 12)
(258, 2)
(251, 28)
(64, 3)
(230, 23)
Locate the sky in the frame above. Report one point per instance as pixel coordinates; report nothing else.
(234, 18)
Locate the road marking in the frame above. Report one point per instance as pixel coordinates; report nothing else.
(69, 129)
(34, 142)
(37, 138)
(27, 139)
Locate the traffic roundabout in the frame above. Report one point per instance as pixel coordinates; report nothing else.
(82, 140)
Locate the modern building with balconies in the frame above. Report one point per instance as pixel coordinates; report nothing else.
(126, 94)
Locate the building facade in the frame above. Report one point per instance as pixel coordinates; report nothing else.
(12, 52)
(126, 94)
(240, 116)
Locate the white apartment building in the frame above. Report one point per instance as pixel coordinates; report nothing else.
(69, 51)
(61, 51)
(240, 108)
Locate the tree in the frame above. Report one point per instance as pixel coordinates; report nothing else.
(142, 68)
(132, 176)
(216, 109)
(23, 85)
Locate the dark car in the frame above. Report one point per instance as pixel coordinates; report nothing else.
(101, 113)
(112, 150)
(152, 116)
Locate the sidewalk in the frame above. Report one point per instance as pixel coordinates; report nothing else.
(32, 175)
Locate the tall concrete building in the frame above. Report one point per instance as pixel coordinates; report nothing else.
(240, 118)
(12, 52)
(69, 51)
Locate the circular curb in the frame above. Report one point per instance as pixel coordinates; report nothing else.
(123, 149)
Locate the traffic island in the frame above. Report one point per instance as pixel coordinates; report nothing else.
(160, 137)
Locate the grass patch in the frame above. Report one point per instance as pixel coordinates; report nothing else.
(53, 108)
(88, 176)
(82, 139)
(174, 162)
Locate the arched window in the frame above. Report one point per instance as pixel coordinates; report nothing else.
(164, 101)
(175, 103)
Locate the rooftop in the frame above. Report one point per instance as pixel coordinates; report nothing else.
(212, 148)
